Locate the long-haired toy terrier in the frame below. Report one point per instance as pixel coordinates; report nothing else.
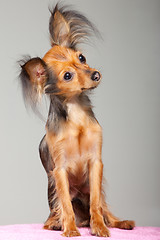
(71, 149)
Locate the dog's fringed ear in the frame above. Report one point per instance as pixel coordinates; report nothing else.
(33, 78)
(59, 28)
(69, 28)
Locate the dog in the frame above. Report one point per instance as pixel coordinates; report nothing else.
(71, 149)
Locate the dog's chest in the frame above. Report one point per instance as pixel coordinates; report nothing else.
(76, 143)
(82, 138)
(76, 114)
(83, 135)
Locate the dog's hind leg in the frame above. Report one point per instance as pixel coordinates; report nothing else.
(111, 220)
(54, 219)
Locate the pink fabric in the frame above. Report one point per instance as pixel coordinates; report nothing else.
(35, 232)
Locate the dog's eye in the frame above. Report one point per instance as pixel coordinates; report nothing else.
(82, 58)
(68, 76)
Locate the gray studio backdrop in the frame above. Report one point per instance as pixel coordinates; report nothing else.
(127, 105)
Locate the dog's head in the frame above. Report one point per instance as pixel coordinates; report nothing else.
(63, 70)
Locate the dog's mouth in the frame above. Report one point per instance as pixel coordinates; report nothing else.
(86, 89)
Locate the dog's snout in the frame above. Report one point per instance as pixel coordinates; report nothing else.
(95, 76)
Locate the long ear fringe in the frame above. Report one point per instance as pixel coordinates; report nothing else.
(80, 27)
(31, 94)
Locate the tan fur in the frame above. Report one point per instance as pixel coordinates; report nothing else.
(60, 60)
(71, 149)
(76, 151)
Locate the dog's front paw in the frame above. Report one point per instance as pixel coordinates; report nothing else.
(52, 224)
(98, 228)
(71, 233)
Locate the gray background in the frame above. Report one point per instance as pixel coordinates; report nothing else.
(127, 104)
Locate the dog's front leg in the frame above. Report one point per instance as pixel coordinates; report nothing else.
(62, 188)
(97, 224)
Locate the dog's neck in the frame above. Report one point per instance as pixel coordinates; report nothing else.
(63, 110)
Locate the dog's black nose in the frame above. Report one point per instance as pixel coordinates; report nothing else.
(96, 76)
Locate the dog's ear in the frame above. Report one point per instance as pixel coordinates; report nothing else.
(69, 28)
(59, 28)
(33, 78)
